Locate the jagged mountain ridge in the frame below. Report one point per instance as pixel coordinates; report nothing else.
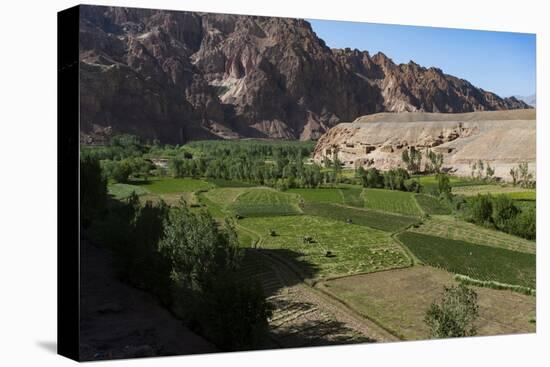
(176, 76)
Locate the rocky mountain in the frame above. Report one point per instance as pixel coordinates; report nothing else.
(176, 76)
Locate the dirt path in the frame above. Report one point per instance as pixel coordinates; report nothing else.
(118, 321)
(328, 320)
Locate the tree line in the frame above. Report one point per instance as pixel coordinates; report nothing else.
(500, 212)
(190, 262)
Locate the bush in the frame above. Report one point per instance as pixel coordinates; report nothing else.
(504, 211)
(525, 224)
(121, 171)
(455, 314)
(481, 209)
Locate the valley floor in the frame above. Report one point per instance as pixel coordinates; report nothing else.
(345, 265)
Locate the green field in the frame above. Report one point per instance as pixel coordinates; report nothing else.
(321, 195)
(391, 201)
(431, 205)
(476, 261)
(122, 191)
(265, 202)
(364, 217)
(495, 190)
(523, 196)
(171, 185)
(429, 182)
(452, 228)
(355, 249)
(352, 196)
(229, 183)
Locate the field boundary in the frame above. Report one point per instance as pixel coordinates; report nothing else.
(466, 280)
(360, 314)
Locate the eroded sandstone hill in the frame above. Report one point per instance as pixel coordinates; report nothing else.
(501, 138)
(176, 76)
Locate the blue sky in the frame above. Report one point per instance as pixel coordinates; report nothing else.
(499, 62)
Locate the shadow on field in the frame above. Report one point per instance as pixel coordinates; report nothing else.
(304, 325)
(277, 268)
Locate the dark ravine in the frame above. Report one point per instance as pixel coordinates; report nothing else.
(177, 76)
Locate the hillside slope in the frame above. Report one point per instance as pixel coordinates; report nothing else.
(176, 76)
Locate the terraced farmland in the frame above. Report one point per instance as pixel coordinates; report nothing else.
(364, 217)
(391, 201)
(476, 261)
(355, 249)
(449, 227)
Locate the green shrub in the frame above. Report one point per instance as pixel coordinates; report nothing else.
(455, 314)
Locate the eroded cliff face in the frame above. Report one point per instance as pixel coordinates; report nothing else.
(503, 139)
(176, 76)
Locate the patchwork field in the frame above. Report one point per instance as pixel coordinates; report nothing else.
(452, 228)
(355, 249)
(364, 217)
(398, 299)
(391, 201)
(476, 261)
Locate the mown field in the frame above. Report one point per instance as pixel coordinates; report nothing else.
(355, 249)
(476, 261)
(391, 201)
(456, 229)
(398, 299)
